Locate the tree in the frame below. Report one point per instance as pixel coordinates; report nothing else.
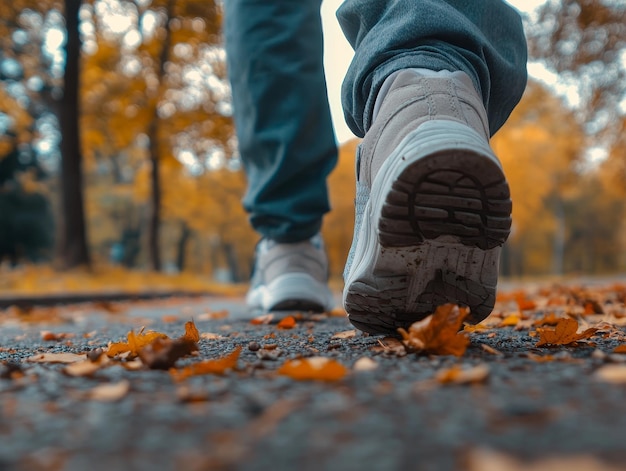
(539, 147)
(73, 238)
(158, 102)
(584, 40)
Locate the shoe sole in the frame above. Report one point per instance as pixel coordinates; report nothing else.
(438, 214)
(291, 292)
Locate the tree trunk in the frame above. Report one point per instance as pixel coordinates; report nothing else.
(185, 234)
(558, 254)
(154, 224)
(73, 239)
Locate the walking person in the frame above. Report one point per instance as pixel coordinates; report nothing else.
(431, 81)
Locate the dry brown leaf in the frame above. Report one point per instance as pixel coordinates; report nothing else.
(390, 346)
(489, 460)
(525, 304)
(615, 374)
(207, 316)
(365, 364)
(469, 328)
(458, 375)
(49, 336)
(210, 336)
(218, 366)
(438, 333)
(490, 349)
(540, 358)
(346, 334)
(550, 319)
(110, 392)
(161, 354)
(87, 367)
(262, 320)
(57, 358)
(565, 333)
(288, 322)
(191, 332)
(135, 343)
(313, 369)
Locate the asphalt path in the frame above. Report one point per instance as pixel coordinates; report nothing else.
(389, 412)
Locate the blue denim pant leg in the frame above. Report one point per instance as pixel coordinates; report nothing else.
(286, 140)
(483, 38)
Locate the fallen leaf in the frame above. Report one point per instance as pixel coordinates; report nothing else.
(313, 369)
(161, 354)
(565, 333)
(540, 358)
(170, 318)
(390, 346)
(82, 368)
(490, 349)
(207, 316)
(262, 320)
(135, 343)
(438, 333)
(210, 336)
(57, 358)
(475, 327)
(615, 374)
(550, 319)
(525, 304)
(458, 375)
(49, 336)
(620, 349)
(346, 334)
(510, 320)
(365, 364)
(592, 307)
(110, 392)
(218, 366)
(191, 332)
(489, 460)
(288, 322)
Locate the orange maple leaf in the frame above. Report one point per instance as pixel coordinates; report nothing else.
(565, 332)
(313, 369)
(438, 333)
(288, 322)
(217, 366)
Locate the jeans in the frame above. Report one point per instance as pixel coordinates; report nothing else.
(274, 56)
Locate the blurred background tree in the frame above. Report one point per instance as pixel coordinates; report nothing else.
(155, 145)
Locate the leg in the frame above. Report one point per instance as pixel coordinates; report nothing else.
(286, 140)
(287, 144)
(427, 87)
(483, 39)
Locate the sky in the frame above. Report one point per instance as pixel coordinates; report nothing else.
(338, 54)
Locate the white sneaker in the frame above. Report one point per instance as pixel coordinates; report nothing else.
(290, 277)
(433, 206)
